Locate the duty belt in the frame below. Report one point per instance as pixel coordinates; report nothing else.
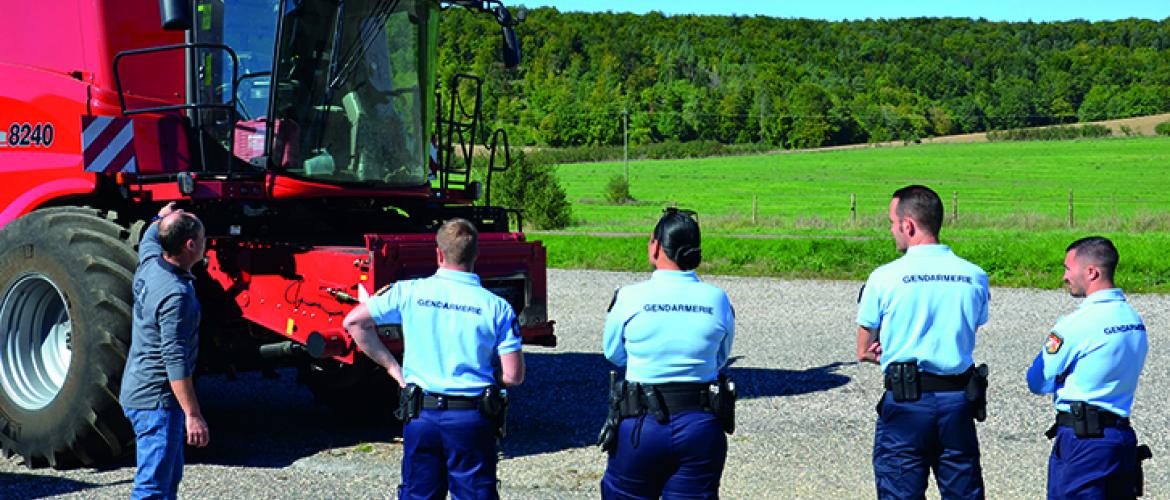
(444, 402)
(1086, 420)
(1108, 419)
(929, 382)
(675, 398)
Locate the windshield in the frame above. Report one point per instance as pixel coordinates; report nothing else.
(349, 103)
(248, 27)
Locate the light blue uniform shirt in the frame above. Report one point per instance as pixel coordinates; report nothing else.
(452, 331)
(670, 328)
(928, 304)
(1093, 354)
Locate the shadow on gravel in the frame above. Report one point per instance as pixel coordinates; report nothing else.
(562, 402)
(38, 486)
(764, 382)
(273, 422)
(257, 421)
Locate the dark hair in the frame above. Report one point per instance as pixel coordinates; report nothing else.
(678, 233)
(921, 204)
(173, 234)
(459, 241)
(1097, 250)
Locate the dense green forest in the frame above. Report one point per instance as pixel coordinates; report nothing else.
(802, 83)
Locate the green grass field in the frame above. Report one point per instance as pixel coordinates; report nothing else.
(1117, 184)
(1013, 209)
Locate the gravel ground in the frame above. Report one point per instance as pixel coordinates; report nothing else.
(805, 425)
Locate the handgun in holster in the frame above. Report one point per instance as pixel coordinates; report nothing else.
(409, 403)
(607, 438)
(976, 392)
(722, 396)
(902, 381)
(493, 405)
(1086, 420)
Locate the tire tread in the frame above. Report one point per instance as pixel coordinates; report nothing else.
(81, 238)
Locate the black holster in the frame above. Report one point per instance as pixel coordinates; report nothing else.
(409, 403)
(1143, 454)
(976, 392)
(607, 438)
(902, 381)
(493, 405)
(722, 396)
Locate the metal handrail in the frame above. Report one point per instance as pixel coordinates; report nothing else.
(231, 105)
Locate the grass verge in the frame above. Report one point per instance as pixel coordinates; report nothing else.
(1011, 259)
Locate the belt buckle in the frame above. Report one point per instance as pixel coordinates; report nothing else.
(441, 402)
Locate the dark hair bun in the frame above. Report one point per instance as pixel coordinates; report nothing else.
(680, 239)
(688, 257)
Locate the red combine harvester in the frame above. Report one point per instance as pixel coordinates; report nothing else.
(310, 137)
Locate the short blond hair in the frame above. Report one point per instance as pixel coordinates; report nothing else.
(459, 241)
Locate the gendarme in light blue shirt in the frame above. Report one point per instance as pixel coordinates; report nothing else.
(1093, 354)
(452, 331)
(928, 304)
(670, 328)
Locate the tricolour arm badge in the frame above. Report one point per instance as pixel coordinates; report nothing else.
(1052, 345)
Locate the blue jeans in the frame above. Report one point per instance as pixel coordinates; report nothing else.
(1103, 467)
(159, 436)
(449, 449)
(682, 458)
(912, 438)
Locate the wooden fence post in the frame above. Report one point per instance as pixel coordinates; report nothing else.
(853, 207)
(753, 209)
(955, 207)
(1070, 208)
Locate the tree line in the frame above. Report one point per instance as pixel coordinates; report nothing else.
(800, 83)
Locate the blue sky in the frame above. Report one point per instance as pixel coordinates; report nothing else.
(996, 10)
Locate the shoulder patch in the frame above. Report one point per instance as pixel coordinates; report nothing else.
(384, 289)
(1053, 344)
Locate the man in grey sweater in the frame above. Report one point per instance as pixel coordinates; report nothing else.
(158, 392)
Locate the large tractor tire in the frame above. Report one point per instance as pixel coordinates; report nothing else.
(65, 305)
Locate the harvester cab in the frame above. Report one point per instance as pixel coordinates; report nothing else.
(319, 90)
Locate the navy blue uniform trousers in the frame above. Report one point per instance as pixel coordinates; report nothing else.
(937, 433)
(1103, 467)
(682, 458)
(449, 449)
